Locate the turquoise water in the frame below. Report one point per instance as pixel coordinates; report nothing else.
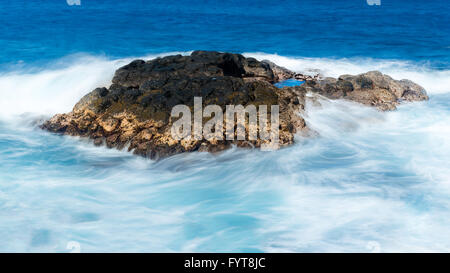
(371, 177)
(289, 82)
(370, 182)
(35, 32)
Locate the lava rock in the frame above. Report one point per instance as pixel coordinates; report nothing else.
(135, 111)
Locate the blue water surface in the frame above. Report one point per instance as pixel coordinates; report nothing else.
(33, 31)
(367, 181)
(289, 82)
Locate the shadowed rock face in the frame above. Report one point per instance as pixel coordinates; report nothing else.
(135, 110)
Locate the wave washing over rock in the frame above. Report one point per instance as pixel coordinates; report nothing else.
(135, 110)
(371, 175)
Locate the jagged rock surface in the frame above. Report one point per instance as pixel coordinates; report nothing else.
(135, 110)
(372, 88)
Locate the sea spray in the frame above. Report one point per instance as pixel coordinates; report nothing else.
(368, 178)
(435, 81)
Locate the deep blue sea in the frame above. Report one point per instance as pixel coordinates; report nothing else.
(371, 182)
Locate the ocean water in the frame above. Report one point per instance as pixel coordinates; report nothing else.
(371, 182)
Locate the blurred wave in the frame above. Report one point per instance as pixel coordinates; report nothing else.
(369, 177)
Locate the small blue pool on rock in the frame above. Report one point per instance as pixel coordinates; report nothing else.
(289, 83)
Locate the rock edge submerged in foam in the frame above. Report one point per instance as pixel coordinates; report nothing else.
(135, 110)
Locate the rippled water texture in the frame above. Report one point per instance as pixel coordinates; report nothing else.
(371, 181)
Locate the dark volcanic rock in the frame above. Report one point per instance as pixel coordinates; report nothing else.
(372, 88)
(200, 64)
(280, 72)
(135, 110)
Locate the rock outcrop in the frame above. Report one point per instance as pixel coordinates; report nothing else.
(135, 111)
(372, 88)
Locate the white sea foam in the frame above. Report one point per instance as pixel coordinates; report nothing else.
(53, 90)
(434, 81)
(370, 177)
(56, 89)
(47, 91)
(371, 181)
